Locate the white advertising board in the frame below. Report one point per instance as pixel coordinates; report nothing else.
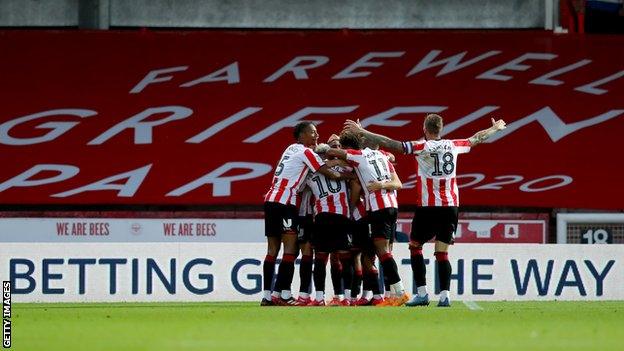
(89, 272)
(85, 230)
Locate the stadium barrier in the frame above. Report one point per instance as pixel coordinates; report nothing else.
(472, 228)
(129, 259)
(590, 228)
(150, 272)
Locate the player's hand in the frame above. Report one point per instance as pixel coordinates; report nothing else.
(333, 137)
(498, 124)
(374, 186)
(352, 126)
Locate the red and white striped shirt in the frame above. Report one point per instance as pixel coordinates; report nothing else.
(330, 196)
(306, 202)
(436, 166)
(295, 163)
(373, 166)
(359, 211)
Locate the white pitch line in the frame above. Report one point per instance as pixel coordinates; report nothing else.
(473, 306)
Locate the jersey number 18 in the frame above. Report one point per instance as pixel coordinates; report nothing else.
(448, 164)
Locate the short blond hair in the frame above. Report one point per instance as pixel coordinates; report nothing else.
(434, 124)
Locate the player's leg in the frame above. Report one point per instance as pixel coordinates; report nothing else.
(268, 268)
(341, 244)
(419, 275)
(321, 256)
(346, 262)
(320, 273)
(356, 284)
(290, 216)
(391, 276)
(360, 235)
(334, 231)
(305, 266)
(371, 291)
(387, 290)
(383, 227)
(305, 273)
(286, 269)
(444, 272)
(336, 278)
(419, 235)
(273, 230)
(448, 217)
(371, 294)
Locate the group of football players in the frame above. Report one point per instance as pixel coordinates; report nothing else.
(339, 200)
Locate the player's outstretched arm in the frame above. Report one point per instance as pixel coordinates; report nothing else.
(321, 150)
(382, 140)
(393, 184)
(341, 157)
(337, 153)
(328, 172)
(483, 135)
(331, 174)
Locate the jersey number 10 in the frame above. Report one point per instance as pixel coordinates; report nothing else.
(330, 186)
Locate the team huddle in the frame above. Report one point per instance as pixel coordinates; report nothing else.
(338, 201)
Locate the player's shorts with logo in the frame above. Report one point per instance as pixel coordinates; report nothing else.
(280, 219)
(331, 232)
(306, 227)
(383, 223)
(438, 222)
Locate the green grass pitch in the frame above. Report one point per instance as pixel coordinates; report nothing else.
(246, 326)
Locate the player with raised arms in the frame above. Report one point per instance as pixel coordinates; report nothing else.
(437, 195)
